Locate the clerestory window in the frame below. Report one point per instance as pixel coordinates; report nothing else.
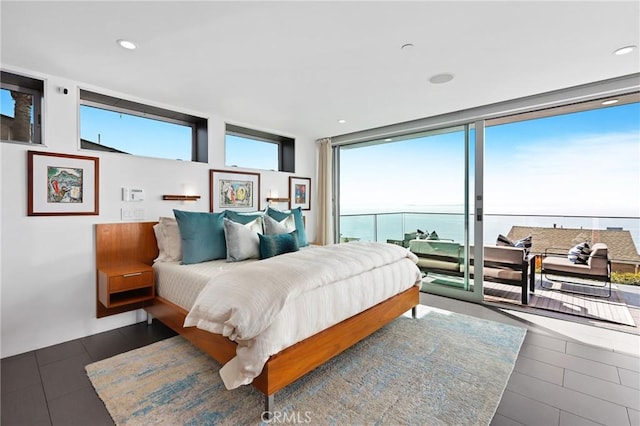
(20, 108)
(255, 149)
(117, 125)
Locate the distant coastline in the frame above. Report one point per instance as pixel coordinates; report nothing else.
(393, 223)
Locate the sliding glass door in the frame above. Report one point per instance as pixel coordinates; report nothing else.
(417, 190)
(563, 159)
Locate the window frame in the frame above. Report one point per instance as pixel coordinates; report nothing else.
(286, 145)
(34, 87)
(198, 125)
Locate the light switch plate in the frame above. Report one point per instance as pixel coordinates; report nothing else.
(136, 195)
(132, 194)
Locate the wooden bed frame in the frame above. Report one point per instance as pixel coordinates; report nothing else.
(131, 243)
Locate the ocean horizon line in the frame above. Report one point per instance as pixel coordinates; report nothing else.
(455, 209)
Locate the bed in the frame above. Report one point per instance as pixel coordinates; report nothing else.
(129, 242)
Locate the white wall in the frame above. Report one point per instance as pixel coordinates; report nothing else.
(47, 264)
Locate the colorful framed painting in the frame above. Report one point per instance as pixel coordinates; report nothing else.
(299, 193)
(62, 184)
(239, 191)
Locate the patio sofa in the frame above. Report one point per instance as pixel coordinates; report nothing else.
(506, 265)
(596, 268)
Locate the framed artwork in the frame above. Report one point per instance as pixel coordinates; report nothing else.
(299, 193)
(62, 184)
(238, 191)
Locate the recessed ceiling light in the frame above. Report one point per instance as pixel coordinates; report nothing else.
(388, 140)
(624, 50)
(342, 121)
(126, 44)
(441, 78)
(610, 102)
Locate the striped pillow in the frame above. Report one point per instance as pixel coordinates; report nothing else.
(524, 243)
(504, 241)
(433, 236)
(580, 253)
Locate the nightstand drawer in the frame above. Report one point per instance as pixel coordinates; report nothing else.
(126, 284)
(130, 281)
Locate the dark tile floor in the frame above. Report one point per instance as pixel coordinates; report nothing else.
(565, 374)
(50, 386)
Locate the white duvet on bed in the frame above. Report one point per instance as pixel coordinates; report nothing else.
(269, 305)
(181, 284)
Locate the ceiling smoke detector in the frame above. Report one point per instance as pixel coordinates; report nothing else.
(441, 78)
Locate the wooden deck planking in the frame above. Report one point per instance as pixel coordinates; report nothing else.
(612, 309)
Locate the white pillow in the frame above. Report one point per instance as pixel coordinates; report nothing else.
(169, 241)
(272, 226)
(242, 240)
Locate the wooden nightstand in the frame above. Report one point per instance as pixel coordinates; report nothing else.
(127, 284)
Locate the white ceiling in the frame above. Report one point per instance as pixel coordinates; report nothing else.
(296, 67)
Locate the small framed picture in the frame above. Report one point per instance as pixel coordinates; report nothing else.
(299, 193)
(62, 184)
(238, 191)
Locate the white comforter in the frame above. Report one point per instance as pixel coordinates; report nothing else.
(269, 305)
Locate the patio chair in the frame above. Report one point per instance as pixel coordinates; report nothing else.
(596, 270)
(506, 265)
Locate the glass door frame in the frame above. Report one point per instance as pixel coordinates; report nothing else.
(477, 293)
(472, 290)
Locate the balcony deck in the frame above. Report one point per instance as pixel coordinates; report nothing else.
(620, 312)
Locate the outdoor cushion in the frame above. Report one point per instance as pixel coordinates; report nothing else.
(499, 273)
(598, 261)
(436, 254)
(427, 263)
(562, 264)
(503, 254)
(436, 247)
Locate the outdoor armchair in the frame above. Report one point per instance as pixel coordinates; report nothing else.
(597, 269)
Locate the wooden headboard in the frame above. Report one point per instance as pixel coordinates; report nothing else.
(119, 244)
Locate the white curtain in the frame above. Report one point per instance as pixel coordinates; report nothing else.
(324, 230)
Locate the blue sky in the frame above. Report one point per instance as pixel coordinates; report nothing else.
(584, 163)
(130, 134)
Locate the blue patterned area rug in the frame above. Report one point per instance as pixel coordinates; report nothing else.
(440, 369)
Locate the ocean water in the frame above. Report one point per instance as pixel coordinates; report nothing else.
(384, 226)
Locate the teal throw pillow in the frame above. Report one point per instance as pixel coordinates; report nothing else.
(243, 218)
(297, 216)
(273, 245)
(202, 236)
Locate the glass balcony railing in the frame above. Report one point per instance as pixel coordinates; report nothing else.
(394, 225)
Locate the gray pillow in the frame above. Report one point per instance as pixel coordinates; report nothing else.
(242, 240)
(273, 226)
(168, 239)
